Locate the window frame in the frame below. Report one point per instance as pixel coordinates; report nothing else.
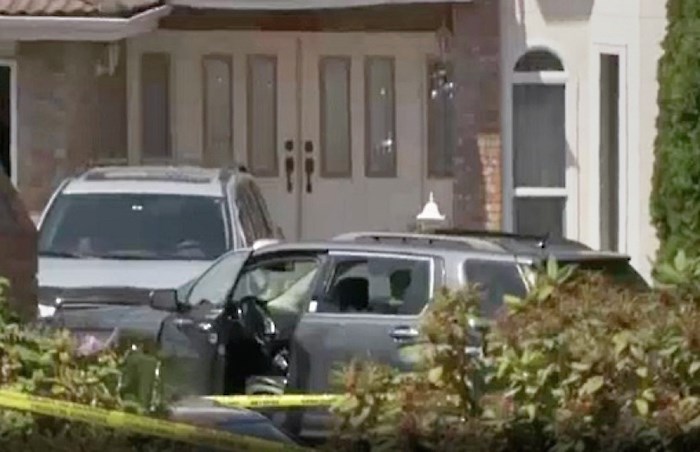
(568, 193)
(319, 256)
(335, 256)
(628, 211)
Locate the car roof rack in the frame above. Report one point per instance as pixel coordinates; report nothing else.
(424, 239)
(542, 240)
(511, 241)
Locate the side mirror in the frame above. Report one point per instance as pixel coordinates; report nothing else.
(164, 300)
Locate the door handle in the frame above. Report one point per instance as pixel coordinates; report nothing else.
(182, 322)
(404, 333)
(289, 169)
(309, 167)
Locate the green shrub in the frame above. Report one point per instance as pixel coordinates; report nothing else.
(49, 363)
(579, 364)
(675, 200)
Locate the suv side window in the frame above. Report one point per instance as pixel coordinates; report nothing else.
(255, 216)
(496, 279)
(261, 205)
(246, 214)
(378, 285)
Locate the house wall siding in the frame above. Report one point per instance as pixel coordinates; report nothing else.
(478, 163)
(68, 115)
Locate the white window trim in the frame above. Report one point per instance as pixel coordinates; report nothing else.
(540, 78)
(593, 202)
(570, 191)
(14, 116)
(540, 192)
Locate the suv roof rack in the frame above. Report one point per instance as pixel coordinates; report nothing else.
(474, 239)
(471, 243)
(542, 240)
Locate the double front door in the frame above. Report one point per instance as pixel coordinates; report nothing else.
(332, 125)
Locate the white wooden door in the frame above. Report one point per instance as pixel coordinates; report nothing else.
(233, 100)
(363, 127)
(267, 79)
(351, 108)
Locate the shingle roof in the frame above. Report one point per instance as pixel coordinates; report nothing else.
(118, 8)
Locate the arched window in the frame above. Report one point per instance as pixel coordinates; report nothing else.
(538, 61)
(539, 144)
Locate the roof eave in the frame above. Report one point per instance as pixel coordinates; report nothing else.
(59, 28)
(293, 5)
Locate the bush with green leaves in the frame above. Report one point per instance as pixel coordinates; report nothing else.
(579, 364)
(50, 363)
(675, 198)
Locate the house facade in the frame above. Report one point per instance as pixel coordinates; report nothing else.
(596, 95)
(351, 112)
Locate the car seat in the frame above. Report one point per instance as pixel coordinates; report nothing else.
(352, 293)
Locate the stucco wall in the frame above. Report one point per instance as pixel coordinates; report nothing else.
(578, 31)
(652, 28)
(7, 48)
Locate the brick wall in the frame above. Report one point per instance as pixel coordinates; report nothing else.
(475, 57)
(68, 115)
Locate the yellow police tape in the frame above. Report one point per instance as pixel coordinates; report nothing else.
(137, 424)
(276, 401)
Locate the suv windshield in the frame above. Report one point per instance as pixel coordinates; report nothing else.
(135, 226)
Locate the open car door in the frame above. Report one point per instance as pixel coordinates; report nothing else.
(194, 337)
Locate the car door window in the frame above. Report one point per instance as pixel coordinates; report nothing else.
(495, 280)
(217, 281)
(378, 285)
(283, 284)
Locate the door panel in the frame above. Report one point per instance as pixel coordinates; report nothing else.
(193, 360)
(368, 309)
(267, 121)
(258, 71)
(363, 111)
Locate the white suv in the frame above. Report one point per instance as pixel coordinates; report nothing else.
(143, 228)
